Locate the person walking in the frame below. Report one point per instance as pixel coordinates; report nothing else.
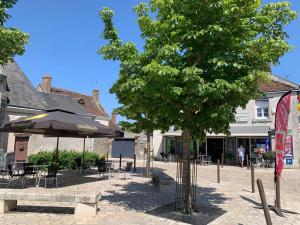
(241, 155)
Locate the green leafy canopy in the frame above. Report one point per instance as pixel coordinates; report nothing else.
(12, 40)
(201, 60)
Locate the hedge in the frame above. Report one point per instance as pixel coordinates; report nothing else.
(66, 159)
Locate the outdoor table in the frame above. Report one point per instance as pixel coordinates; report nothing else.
(110, 165)
(17, 167)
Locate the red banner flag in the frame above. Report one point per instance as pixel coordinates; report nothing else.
(281, 127)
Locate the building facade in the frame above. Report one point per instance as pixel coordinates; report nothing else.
(253, 128)
(25, 100)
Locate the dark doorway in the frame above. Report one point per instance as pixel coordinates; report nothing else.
(215, 148)
(21, 147)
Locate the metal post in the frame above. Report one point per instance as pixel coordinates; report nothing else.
(120, 164)
(56, 154)
(278, 201)
(264, 202)
(222, 160)
(134, 163)
(82, 161)
(247, 158)
(218, 171)
(252, 177)
(206, 146)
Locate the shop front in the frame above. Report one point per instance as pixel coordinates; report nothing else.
(253, 139)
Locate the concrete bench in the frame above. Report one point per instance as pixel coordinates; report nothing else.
(162, 178)
(85, 204)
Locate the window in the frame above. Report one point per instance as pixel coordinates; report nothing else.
(262, 109)
(262, 112)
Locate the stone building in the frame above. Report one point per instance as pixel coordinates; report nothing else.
(25, 100)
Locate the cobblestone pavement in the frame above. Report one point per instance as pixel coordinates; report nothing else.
(129, 201)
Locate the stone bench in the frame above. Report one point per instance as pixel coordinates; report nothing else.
(85, 204)
(162, 178)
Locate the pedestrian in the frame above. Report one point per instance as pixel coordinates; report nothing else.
(241, 155)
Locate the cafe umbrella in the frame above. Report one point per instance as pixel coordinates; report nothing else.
(59, 123)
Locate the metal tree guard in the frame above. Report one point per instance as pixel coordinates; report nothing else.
(179, 172)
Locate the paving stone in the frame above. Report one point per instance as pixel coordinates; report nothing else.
(130, 201)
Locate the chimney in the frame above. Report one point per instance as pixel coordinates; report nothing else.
(113, 117)
(46, 83)
(96, 94)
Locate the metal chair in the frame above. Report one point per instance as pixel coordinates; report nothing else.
(102, 169)
(78, 165)
(51, 175)
(127, 170)
(30, 171)
(14, 175)
(206, 160)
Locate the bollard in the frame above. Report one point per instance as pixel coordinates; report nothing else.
(120, 164)
(107, 155)
(252, 177)
(247, 158)
(218, 171)
(264, 201)
(134, 163)
(277, 183)
(222, 160)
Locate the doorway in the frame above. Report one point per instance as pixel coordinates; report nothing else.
(245, 142)
(21, 148)
(215, 148)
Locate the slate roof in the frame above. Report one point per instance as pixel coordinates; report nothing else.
(56, 101)
(90, 104)
(21, 92)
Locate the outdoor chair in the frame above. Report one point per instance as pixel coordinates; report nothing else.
(30, 171)
(14, 175)
(51, 175)
(164, 156)
(78, 165)
(206, 160)
(126, 170)
(260, 162)
(102, 169)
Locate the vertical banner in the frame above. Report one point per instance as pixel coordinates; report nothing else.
(281, 126)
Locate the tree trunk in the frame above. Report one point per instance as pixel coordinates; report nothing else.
(148, 156)
(186, 176)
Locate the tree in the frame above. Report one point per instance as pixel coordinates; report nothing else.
(201, 60)
(12, 40)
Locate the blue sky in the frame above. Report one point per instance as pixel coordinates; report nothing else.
(64, 39)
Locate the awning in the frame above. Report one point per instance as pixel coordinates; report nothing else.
(257, 131)
(236, 131)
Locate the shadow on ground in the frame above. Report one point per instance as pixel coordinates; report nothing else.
(72, 179)
(44, 209)
(150, 199)
(142, 196)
